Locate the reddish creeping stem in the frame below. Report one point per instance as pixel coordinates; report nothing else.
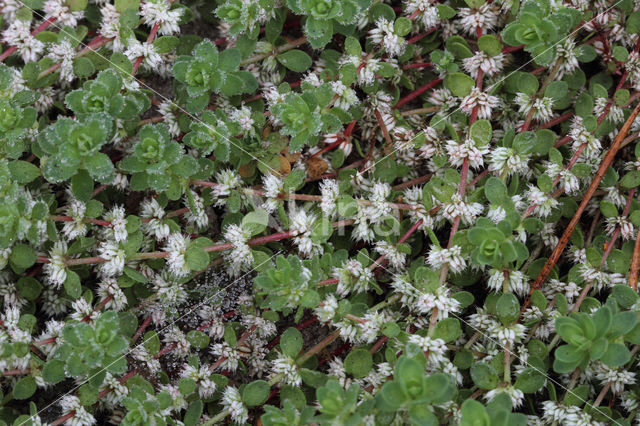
(606, 162)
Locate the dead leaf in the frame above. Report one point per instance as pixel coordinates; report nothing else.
(316, 167)
(291, 158)
(247, 170)
(285, 165)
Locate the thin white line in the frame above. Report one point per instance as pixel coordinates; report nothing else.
(191, 309)
(441, 119)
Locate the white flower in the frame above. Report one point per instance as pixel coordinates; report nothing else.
(70, 403)
(227, 180)
(370, 328)
(272, 186)
(516, 281)
(177, 245)
(395, 257)
(110, 25)
(301, 226)
(168, 290)
(581, 136)
(202, 375)
(232, 401)
(196, 214)
(457, 207)
(367, 73)
(384, 34)
(483, 101)
(75, 228)
(437, 347)
(152, 214)
(619, 378)
(63, 14)
(459, 151)
(347, 97)
(230, 355)
(627, 230)
(167, 110)
(242, 116)
(327, 309)
(140, 353)
(554, 412)
(542, 202)
(115, 256)
(159, 12)
(516, 395)
(439, 256)
(425, 302)
(240, 256)
(502, 158)
(110, 288)
(118, 221)
(65, 53)
(330, 193)
(615, 114)
(353, 276)
(507, 334)
(566, 54)
(286, 366)
(56, 269)
(147, 51)
(489, 65)
(542, 107)
(428, 13)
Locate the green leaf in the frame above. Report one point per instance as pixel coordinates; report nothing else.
(474, 414)
(483, 376)
(530, 380)
(616, 355)
(83, 67)
(631, 179)
(23, 256)
(256, 221)
(495, 190)
(459, 84)
(490, 44)
(358, 363)
(187, 386)
(448, 329)
(197, 258)
(624, 295)
(72, 285)
(122, 5)
(23, 172)
(633, 23)
(29, 288)
(24, 388)
(255, 393)
(53, 371)
(295, 60)
(291, 342)
(165, 44)
(608, 209)
(193, 413)
(481, 132)
(402, 26)
(508, 308)
(82, 186)
(347, 206)
(229, 59)
(294, 180)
